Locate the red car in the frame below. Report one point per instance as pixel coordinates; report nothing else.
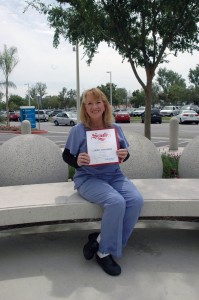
(14, 116)
(122, 116)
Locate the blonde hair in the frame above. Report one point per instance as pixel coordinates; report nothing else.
(107, 115)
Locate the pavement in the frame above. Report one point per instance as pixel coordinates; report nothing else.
(160, 262)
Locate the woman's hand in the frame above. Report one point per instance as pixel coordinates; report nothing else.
(83, 159)
(122, 154)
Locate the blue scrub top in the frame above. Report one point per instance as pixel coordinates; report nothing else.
(76, 143)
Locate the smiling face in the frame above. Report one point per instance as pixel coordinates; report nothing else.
(94, 107)
(95, 110)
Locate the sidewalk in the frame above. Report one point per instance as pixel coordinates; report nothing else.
(160, 262)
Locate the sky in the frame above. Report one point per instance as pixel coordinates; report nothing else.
(39, 61)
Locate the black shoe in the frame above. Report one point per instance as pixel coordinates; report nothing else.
(92, 246)
(109, 265)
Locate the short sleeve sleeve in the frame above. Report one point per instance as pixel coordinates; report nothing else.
(121, 138)
(75, 139)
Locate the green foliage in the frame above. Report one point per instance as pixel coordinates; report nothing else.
(168, 78)
(71, 172)
(170, 165)
(194, 76)
(15, 102)
(119, 95)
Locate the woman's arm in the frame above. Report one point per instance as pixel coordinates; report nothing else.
(123, 154)
(69, 158)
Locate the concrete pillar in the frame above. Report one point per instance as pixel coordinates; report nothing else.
(25, 127)
(173, 133)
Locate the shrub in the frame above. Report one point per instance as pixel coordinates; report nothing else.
(170, 165)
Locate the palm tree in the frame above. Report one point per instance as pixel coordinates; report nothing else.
(8, 61)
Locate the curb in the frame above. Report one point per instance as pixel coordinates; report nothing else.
(19, 132)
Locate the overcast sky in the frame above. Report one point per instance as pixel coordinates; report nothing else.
(40, 62)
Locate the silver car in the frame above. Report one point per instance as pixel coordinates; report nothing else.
(65, 118)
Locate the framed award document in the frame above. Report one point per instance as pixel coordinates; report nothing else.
(102, 145)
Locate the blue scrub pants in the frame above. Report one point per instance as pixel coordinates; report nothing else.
(122, 204)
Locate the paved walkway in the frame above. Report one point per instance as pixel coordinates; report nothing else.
(160, 262)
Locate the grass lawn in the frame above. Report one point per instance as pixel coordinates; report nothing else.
(138, 119)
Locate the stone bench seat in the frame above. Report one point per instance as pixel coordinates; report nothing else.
(48, 202)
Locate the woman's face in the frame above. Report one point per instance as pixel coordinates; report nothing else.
(94, 107)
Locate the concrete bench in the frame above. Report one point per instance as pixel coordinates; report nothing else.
(42, 203)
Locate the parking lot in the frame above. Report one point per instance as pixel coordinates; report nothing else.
(159, 133)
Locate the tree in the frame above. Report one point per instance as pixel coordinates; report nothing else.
(121, 94)
(194, 76)
(171, 82)
(72, 98)
(138, 98)
(41, 90)
(16, 101)
(167, 78)
(142, 31)
(63, 98)
(176, 94)
(1, 96)
(8, 61)
(50, 102)
(37, 92)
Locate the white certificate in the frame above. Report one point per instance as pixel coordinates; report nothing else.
(102, 146)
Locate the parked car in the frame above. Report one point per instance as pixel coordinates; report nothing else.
(155, 116)
(190, 107)
(55, 112)
(115, 110)
(3, 115)
(14, 116)
(169, 111)
(41, 115)
(130, 111)
(65, 118)
(188, 116)
(139, 111)
(122, 116)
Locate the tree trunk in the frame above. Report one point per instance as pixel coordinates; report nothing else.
(148, 102)
(7, 107)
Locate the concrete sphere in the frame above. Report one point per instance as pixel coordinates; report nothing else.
(31, 159)
(189, 160)
(144, 161)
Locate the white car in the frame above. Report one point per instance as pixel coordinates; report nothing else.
(65, 118)
(41, 115)
(188, 116)
(139, 111)
(169, 111)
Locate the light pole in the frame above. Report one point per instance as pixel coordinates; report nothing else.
(110, 87)
(28, 93)
(76, 49)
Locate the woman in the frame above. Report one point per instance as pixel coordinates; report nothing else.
(103, 184)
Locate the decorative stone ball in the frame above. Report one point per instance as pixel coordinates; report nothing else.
(31, 159)
(144, 161)
(189, 160)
